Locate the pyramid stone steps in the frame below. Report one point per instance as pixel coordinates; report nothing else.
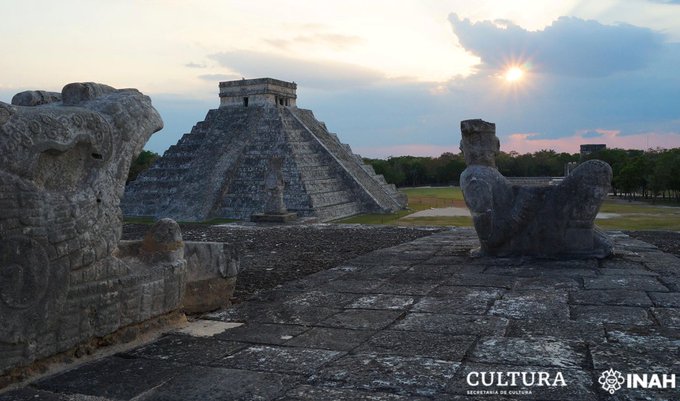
(349, 160)
(218, 169)
(339, 211)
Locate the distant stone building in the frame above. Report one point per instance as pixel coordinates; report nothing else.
(587, 149)
(218, 170)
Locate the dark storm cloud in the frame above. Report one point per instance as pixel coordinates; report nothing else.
(569, 47)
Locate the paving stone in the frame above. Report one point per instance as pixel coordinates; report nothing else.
(383, 301)
(433, 345)
(28, 393)
(470, 294)
(459, 300)
(440, 272)
(640, 283)
(362, 319)
(643, 335)
(636, 358)
(310, 393)
(560, 329)
(616, 271)
(112, 377)
(394, 374)
(446, 323)
(263, 333)
(355, 286)
(202, 383)
(666, 299)
(668, 317)
(276, 295)
(547, 283)
(579, 384)
(321, 299)
(417, 254)
(671, 281)
(406, 288)
(610, 297)
(454, 261)
(618, 262)
(313, 281)
(532, 304)
(481, 280)
(553, 268)
(274, 313)
(185, 350)
(289, 360)
(529, 352)
(383, 272)
(610, 314)
(333, 339)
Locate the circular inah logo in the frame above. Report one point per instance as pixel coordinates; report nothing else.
(611, 380)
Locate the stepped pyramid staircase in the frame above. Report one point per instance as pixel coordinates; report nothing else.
(217, 170)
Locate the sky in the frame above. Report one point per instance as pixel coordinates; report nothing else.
(390, 78)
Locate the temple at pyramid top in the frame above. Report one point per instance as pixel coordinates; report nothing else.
(261, 91)
(218, 169)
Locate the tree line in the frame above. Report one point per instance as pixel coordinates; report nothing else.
(650, 174)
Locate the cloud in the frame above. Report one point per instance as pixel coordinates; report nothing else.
(591, 134)
(333, 40)
(532, 142)
(311, 74)
(569, 47)
(219, 77)
(195, 65)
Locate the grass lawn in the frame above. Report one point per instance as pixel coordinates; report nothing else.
(631, 215)
(421, 198)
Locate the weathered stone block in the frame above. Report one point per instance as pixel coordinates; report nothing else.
(543, 221)
(63, 162)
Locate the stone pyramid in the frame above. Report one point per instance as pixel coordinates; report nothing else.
(218, 170)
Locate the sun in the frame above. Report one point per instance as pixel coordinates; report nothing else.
(514, 74)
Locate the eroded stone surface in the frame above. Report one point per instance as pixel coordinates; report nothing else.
(186, 350)
(536, 351)
(544, 221)
(532, 304)
(432, 345)
(66, 277)
(202, 383)
(279, 359)
(331, 338)
(452, 324)
(310, 393)
(395, 374)
(113, 377)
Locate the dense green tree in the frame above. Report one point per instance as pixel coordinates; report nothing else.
(143, 161)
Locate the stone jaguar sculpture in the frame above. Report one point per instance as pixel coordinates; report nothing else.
(64, 159)
(543, 221)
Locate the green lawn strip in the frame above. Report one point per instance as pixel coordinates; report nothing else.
(612, 206)
(458, 221)
(634, 223)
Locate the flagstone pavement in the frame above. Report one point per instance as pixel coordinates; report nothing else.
(418, 321)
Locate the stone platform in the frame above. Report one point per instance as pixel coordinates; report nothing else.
(411, 323)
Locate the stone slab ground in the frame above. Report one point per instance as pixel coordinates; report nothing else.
(411, 322)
